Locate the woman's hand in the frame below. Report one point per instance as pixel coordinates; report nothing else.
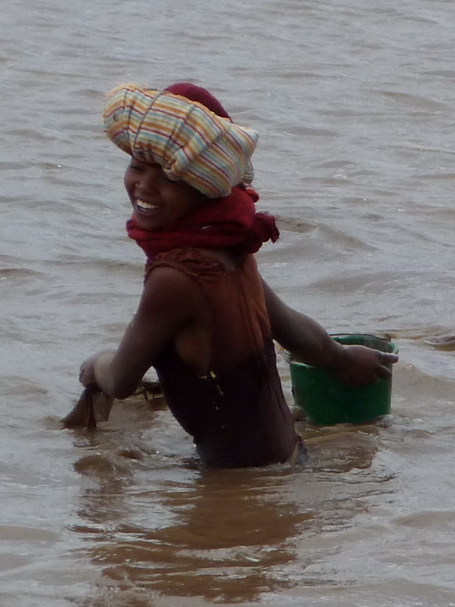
(93, 365)
(93, 405)
(357, 365)
(87, 371)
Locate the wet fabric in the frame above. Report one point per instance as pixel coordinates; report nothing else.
(237, 413)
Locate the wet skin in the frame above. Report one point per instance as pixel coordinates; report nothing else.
(173, 309)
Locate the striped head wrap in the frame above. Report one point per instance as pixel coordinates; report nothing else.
(190, 142)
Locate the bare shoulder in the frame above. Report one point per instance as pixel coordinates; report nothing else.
(168, 287)
(172, 280)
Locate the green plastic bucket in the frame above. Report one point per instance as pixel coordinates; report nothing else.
(326, 400)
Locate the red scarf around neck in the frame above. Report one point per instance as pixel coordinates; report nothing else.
(224, 223)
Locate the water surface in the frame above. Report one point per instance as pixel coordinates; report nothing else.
(354, 106)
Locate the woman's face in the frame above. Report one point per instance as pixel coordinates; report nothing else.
(157, 201)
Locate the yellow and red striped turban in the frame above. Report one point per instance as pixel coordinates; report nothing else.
(190, 143)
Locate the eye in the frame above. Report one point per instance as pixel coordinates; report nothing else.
(135, 166)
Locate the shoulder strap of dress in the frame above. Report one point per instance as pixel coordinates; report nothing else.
(205, 270)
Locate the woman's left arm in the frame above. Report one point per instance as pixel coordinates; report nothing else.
(305, 339)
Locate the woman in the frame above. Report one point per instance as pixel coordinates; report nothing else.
(206, 321)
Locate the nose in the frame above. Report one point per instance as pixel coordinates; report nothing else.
(149, 179)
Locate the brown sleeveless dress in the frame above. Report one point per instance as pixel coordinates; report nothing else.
(237, 414)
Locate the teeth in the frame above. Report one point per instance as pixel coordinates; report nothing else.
(146, 205)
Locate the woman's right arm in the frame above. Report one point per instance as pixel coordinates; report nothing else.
(170, 301)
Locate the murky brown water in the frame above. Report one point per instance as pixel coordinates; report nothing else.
(354, 105)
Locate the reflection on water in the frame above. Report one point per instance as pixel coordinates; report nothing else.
(162, 526)
(225, 543)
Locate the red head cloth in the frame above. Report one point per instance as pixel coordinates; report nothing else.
(197, 93)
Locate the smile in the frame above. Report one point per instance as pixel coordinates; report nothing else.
(146, 206)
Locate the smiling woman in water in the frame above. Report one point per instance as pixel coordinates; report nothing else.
(206, 320)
